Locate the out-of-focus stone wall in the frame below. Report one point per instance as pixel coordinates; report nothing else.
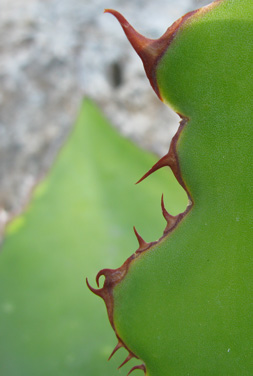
(55, 52)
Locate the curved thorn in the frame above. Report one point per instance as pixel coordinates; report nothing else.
(141, 241)
(164, 161)
(166, 215)
(117, 347)
(141, 367)
(129, 357)
(149, 50)
(170, 219)
(138, 41)
(100, 273)
(107, 273)
(98, 292)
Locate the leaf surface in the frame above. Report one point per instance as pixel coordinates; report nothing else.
(78, 217)
(192, 311)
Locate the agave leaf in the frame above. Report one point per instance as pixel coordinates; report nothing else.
(192, 311)
(49, 322)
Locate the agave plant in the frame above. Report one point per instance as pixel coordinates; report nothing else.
(182, 304)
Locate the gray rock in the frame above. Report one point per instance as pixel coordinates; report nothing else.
(55, 52)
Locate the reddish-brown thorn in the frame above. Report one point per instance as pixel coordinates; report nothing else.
(99, 292)
(141, 241)
(138, 41)
(141, 367)
(164, 161)
(170, 219)
(129, 357)
(148, 49)
(100, 273)
(166, 215)
(117, 347)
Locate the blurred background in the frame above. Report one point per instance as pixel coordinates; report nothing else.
(54, 53)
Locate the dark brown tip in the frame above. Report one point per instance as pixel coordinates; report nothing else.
(141, 367)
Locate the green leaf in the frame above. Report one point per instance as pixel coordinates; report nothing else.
(192, 311)
(80, 217)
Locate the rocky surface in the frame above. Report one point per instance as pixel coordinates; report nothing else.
(55, 52)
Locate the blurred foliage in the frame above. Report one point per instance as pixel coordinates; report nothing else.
(79, 220)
